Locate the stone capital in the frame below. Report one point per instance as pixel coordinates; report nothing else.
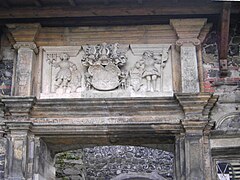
(18, 128)
(191, 41)
(188, 30)
(19, 106)
(194, 127)
(27, 45)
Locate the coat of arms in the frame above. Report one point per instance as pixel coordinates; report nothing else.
(104, 62)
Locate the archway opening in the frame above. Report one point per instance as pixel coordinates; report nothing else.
(115, 163)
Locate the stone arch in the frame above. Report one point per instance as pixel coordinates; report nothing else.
(230, 121)
(139, 176)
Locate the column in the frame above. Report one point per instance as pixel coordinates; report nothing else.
(24, 36)
(188, 31)
(28, 157)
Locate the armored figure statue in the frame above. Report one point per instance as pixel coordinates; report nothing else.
(150, 72)
(64, 75)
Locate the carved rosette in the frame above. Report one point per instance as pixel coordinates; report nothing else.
(104, 62)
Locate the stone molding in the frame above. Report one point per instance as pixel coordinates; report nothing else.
(196, 106)
(27, 45)
(19, 106)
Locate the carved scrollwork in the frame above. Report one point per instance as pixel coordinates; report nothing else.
(194, 41)
(30, 45)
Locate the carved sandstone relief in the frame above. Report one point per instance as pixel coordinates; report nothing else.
(106, 70)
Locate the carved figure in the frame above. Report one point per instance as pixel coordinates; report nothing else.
(64, 75)
(150, 72)
(123, 80)
(136, 77)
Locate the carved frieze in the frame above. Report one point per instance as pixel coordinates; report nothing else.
(107, 70)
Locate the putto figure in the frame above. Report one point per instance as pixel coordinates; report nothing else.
(150, 71)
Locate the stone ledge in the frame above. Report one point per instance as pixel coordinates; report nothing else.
(19, 106)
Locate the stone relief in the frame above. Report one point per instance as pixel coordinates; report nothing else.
(23, 72)
(104, 62)
(67, 76)
(146, 68)
(107, 70)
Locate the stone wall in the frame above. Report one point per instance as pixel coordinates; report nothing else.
(7, 60)
(107, 162)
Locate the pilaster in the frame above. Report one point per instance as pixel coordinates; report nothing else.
(194, 145)
(188, 31)
(24, 36)
(19, 150)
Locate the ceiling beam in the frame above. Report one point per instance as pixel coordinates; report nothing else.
(103, 10)
(72, 2)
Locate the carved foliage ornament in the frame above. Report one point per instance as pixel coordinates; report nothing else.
(104, 62)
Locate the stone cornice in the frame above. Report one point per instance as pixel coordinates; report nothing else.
(19, 106)
(28, 45)
(196, 106)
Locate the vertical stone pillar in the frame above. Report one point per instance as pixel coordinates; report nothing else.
(18, 152)
(194, 150)
(24, 36)
(188, 31)
(24, 68)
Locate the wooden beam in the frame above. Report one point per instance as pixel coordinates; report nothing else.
(72, 2)
(110, 10)
(224, 38)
